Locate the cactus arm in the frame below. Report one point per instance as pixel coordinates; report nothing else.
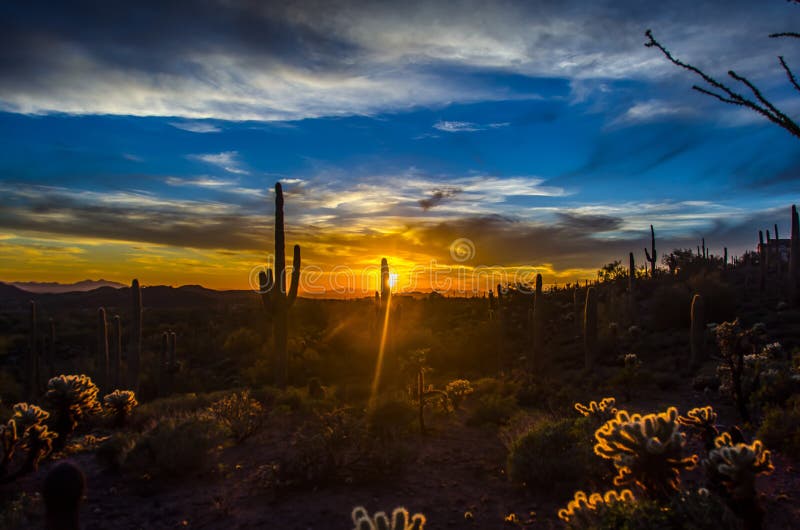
(295, 276)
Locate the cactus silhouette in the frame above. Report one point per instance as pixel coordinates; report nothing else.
(651, 256)
(590, 328)
(32, 360)
(762, 261)
(119, 405)
(603, 410)
(583, 510)
(537, 324)
(702, 420)
(697, 332)
(135, 351)
(116, 355)
(794, 258)
(62, 492)
(102, 368)
(277, 300)
(71, 398)
(51, 349)
(9, 436)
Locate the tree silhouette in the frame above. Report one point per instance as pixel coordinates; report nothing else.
(755, 100)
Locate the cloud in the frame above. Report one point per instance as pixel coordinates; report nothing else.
(437, 197)
(227, 160)
(242, 60)
(196, 126)
(466, 126)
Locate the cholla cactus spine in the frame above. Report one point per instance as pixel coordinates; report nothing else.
(120, 404)
(583, 509)
(604, 410)
(26, 415)
(400, 520)
(71, 398)
(704, 421)
(38, 442)
(737, 465)
(646, 450)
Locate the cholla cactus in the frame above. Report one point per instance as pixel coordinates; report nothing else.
(27, 415)
(702, 420)
(8, 441)
(604, 410)
(71, 398)
(38, 442)
(583, 510)
(120, 404)
(737, 465)
(646, 450)
(458, 389)
(243, 415)
(380, 521)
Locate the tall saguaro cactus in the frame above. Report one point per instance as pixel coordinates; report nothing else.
(386, 287)
(135, 351)
(276, 298)
(537, 324)
(116, 355)
(590, 328)
(698, 329)
(32, 362)
(762, 261)
(652, 256)
(51, 350)
(631, 289)
(102, 350)
(794, 257)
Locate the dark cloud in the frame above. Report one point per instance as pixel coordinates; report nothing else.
(589, 223)
(437, 197)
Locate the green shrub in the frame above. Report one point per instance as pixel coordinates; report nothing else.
(492, 409)
(780, 429)
(556, 456)
(113, 452)
(176, 446)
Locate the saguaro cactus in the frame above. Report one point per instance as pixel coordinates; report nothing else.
(51, 350)
(631, 289)
(794, 257)
(101, 366)
(537, 326)
(386, 288)
(590, 328)
(697, 333)
(116, 356)
(725, 258)
(276, 298)
(652, 256)
(162, 364)
(762, 261)
(135, 348)
(32, 362)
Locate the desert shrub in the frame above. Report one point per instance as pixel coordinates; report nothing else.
(119, 405)
(555, 456)
(315, 389)
(670, 307)
(113, 452)
(492, 409)
(629, 378)
(740, 364)
(242, 415)
(176, 405)
(457, 390)
(781, 428)
(177, 446)
(494, 386)
(294, 400)
(390, 419)
(646, 450)
(71, 399)
(543, 395)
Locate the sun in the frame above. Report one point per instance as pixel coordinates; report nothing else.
(393, 280)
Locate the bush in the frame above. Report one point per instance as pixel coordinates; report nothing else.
(780, 429)
(242, 415)
(119, 405)
(390, 419)
(555, 456)
(492, 409)
(176, 446)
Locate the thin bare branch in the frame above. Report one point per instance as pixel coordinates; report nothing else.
(790, 34)
(789, 72)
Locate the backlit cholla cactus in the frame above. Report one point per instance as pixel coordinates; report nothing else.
(583, 511)
(603, 411)
(737, 465)
(9, 436)
(38, 442)
(646, 450)
(71, 398)
(400, 520)
(702, 420)
(119, 404)
(27, 415)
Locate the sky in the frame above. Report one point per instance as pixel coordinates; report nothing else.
(143, 139)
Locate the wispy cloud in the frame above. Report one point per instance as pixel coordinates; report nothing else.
(465, 126)
(227, 160)
(195, 126)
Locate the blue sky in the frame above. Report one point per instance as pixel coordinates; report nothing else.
(147, 137)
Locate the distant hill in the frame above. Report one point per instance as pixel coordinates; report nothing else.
(55, 287)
